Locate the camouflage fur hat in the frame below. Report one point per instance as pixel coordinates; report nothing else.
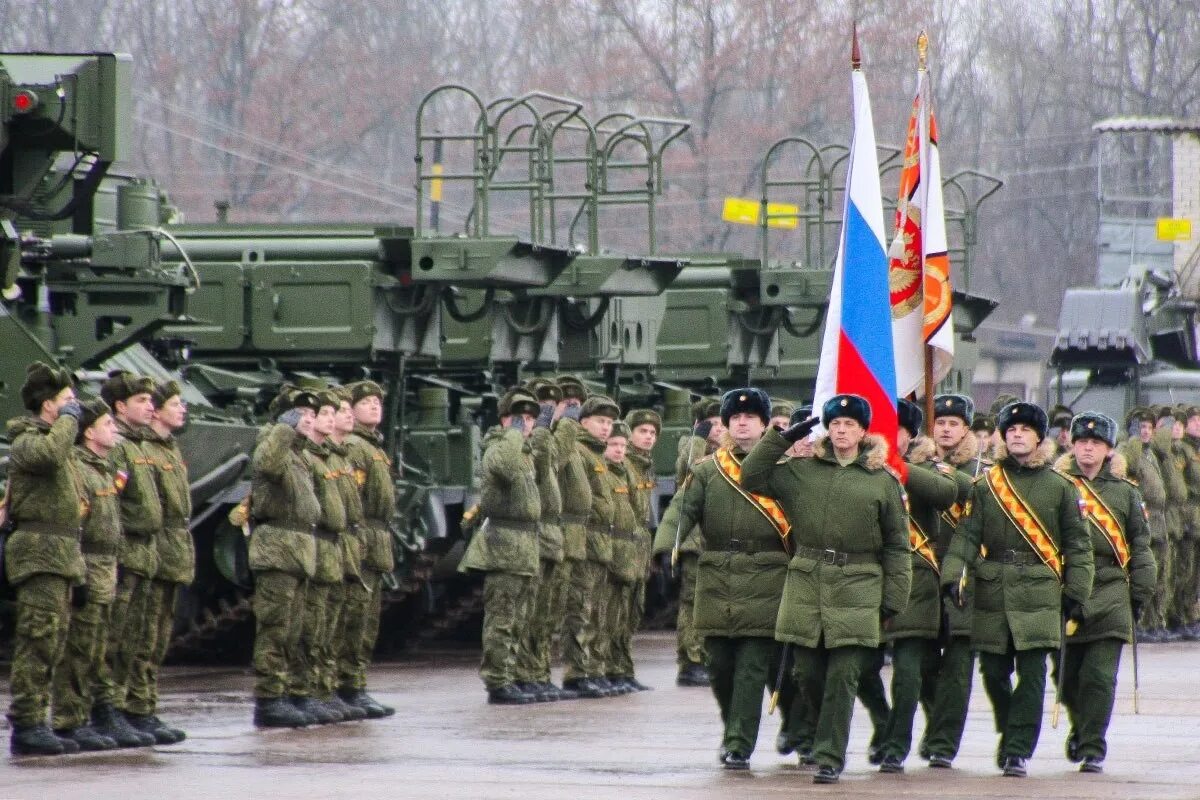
(327, 397)
(122, 385)
(302, 398)
(1092, 425)
(706, 408)
(599, 405)
(782, 408)
(1060, 416)
(93, 410)
(43, 382)
(572, 387)
(544, 390)
(1140, 414)
(619, 429)
(164, 391)
(343, 393)
(644, 416)
(518, 401)
(360, 390)
(983, 422)
(1001, 401)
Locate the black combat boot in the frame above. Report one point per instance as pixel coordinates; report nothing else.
(826, 774)
(583, 687)
(87, 737)
(359, 697)
(1093, 764)
(509, 695)
(939, 761)
(350, 713)
(1014, 767)
(891, 765)
(637, 685)
(314, 710)
(110, 722)
(535, 691)
(36, 740)
(277, 712)
(162, 733)
(692, 675)
(737, 761)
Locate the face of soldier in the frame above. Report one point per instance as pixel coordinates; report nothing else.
(50, 407)
(598, 425)
(1090, 454)
(137, 409)
(718, 428)
(746, 429)
(1193, 426)
(369, 411)
(845, 434)
(779, 422)
(173, 413)
(102, 436)
(343, 421)
(984, 440)
(1177, 429)
(614, 449)
(903, 440)
(1021, 441)
(644, 436)
(948, 432)
(1145, 431)
(323, 423)
(1063, 436)
(307, 418)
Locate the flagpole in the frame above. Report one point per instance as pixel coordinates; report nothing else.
(922, 55)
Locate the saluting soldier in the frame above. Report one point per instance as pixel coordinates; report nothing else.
(627, 568)
(1142, 467)
(1030, 557)
(505, 546)
(740, 573)
(45, 502)
(851, 567)
(1124, 583)
(913, 633)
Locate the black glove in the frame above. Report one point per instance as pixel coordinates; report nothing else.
(703, 429)
(291, 418)
(1136, 607)
(886, 615)
(951, 592)
(1072, 609)
(795, 433)
(79, 596)
(572, 412)
(544, 419)
(71, 408)
(516, 423)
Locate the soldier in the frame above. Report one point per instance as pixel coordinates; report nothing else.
(133, 635)
(83, 655)
(1124, 583)
(173, 547)
(625, 569)
(645, 426)
(781, 414)
(984, 429)
(43, 561)
(1060, 429)
(851, 567)
(1173, 461)
(364, 598)
(283, 555)
(1143, 468)
(1030, 556)
(740, 573)
(1188, 562)
(954, 418)
(505, 547)
(914, 632)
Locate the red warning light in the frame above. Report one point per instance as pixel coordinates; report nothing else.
(24, 101)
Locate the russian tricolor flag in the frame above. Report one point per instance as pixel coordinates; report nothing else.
(856, 352)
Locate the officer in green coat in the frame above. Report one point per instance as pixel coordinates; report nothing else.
(1142, 467)
(851, 568)
(505, 546)
(1029, 555)
(44, 503)
(1124, 583)
(739, 574)
(283, 555)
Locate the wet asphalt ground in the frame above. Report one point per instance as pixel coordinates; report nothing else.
(446, 742)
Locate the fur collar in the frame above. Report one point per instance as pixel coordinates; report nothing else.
(872, 452)
(1042, 456)
(965, 451)
(1117, 466)
(921, 450)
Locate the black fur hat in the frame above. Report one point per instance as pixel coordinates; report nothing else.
(1093, 425)
(43, 382)
(954, 405)
(1025, 414)
(745, 401)
(910, 416)
(800, 414)
(706, 407)
(846, 405)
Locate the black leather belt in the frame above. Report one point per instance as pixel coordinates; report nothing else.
(515, 524)
(835, 558)
(748, 548)
(1021, 558)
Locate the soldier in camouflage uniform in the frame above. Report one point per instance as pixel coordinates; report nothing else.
(43, 561)
(1173, 461)
(364, 598)
(645, 426)
(627, 569)
(1189, 550)
(283, 555)
(1142, 466)
(505, 546)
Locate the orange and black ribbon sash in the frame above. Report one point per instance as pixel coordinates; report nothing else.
(730, 469)
(1099, 514)
(954, 514)
(918, 540)
(1024, 519)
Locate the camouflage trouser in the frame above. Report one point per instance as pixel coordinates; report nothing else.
(327, 682)
(608, 614)
(43, 618)
(1183, 590)
(314, 647)
(279, 604)
(533, 660)
(359, 629)
(82, 661)
(125, 638)
(507, 606)
(690, 645)
(1154, 616)
(578, 633)
(631, 598)
(153, 638)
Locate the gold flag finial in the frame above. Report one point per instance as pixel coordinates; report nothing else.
(922, 50)
(855, 55)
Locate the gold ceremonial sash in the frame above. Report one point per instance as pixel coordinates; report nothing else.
(954, 514)
(1100, 515)
(1021, 515)
(918, 540)
(730, 469)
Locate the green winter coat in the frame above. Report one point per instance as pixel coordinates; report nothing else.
(931, 489)
(668, 526)
(627, 531)
(1107, 613)
(141, 501)
(600, 517)
(574, 488)
(743, 564)
(1020, 600)
(545, 466)
(283, 504)
(101, 525)
(350, 543)
(967, 466)
(173, 547)
(1172, 461)
(1143, 469)
(644, 483)
(373, 473)
(45, 489)
(333, 523)
(1190, 447)
(855, 510)
(509, 506)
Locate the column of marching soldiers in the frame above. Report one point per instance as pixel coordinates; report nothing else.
(98, 504)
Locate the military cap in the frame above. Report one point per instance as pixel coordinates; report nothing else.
(846, 405)
(312, 383)
(543, 389)
(93, 410)
(43, 382)
(1191, 411)
(1001, 401)
(360, 390)
(782, 408)
(518, 401)
(1024, 414)
(644, 416)
(343, 394)
(1140, 414)
(1093, 425)
(122, 385)
(706, 408)
(800, 414)
(164, 391)
(327, 397)
(619, 429)
(1060, 416)
(1179, 412)
(983, 422)
(910, 416)
(954, 405)
(747, 400)
(303, 398)
(599, 406)
(572, 387)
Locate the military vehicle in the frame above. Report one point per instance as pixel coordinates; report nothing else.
(99, 272)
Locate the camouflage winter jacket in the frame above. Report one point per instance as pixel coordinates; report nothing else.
(283, 504)
(141, 502)
(174, 548)
(509, 505)
(333, 524)
(373, 472)
(101, 525)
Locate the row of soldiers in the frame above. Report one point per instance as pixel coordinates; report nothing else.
(814, 555)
